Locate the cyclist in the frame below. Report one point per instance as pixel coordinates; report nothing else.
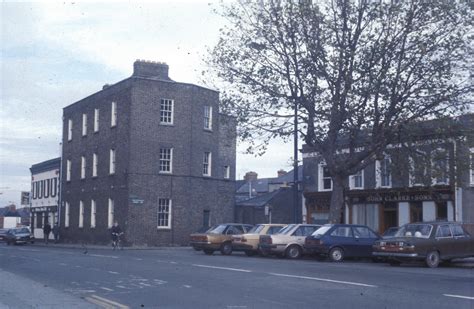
(116, 232)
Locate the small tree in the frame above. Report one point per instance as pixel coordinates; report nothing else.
(356, 71)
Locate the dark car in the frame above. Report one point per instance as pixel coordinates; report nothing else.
(390, 232)
(20, 235)
(3, 233)
(338, 241)
(431, 242)
(218, 237)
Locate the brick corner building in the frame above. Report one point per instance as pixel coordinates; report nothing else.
(151, 153)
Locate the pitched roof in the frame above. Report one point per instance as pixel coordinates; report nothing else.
(260, 200)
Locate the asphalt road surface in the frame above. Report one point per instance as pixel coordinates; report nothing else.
(184, 278)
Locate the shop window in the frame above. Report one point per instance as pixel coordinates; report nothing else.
(416, 212)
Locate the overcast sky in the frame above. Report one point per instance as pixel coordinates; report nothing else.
(54, 54)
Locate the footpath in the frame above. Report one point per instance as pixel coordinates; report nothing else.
(20, 292)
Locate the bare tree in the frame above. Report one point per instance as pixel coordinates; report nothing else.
(356, 71)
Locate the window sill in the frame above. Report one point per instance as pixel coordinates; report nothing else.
(166, 124)
(207, 130)
(113, 126)
(163, 228)
(165, 173)
(96, 132)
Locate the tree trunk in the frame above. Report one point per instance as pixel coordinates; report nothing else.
(337, 201)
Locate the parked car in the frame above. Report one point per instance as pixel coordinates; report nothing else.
(249, 242)
(200, 231)
(431, 242)
(3, 233)
(338, 241)
(288, 242)
(20, 235)
(218, 237)
(390, 232)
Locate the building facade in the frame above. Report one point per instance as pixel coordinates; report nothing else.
(153, 154)
(429, 178)
(44, 195)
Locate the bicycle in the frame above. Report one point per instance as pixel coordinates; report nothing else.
(117, 241)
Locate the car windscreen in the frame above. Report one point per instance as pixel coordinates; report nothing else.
(322, 230)
(219, 229)
(415, 230)
(256, 229)
(287, 229)
(21, 231)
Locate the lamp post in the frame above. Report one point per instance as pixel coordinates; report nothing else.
(295, 166)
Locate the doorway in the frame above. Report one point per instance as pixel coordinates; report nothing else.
(390, 216)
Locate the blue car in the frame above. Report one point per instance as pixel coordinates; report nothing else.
(338, 241)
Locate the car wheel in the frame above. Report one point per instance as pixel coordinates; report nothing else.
(293, 252)
(208, 251)
(432, 259)
(226, 248)
(336, 254)
(250, 252)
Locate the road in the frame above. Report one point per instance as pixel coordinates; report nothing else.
(184, 278)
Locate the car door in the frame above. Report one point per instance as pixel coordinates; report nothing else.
(444, 241)
(463, 245)
(364, 238)
(341, 236)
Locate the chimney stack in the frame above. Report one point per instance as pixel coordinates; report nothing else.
(144, 68)
(281, 173)
(249, 176)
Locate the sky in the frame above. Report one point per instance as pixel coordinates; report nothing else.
(56, 53)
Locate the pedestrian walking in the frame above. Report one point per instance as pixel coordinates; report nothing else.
(56, 232)
(46, 231)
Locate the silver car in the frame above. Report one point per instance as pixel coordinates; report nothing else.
(288, 242)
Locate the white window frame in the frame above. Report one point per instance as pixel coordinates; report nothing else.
(227, 172)
(112, 163)
(95, 164)
(207, 164)
(113, 114)
(161, 204)
(166, 111)
(208, 117)
(81, 214)
(84, 124)
(93, 213)
(69, 129)
(471, 167)
(411, 172)
(164, 161)
(110, 213)
(434, 177)
(96, 120)
(83, 167)
(68, 170)
(378, 173)
(352, 180)
(321, 178)
(66, 214)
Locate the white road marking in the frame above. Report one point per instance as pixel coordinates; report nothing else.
(105, 256)
(107, 289)
(187, 286)
(32, 250)
(223, 268)
(104, 302)
(325, 280)
(63, 264)
(138, 259)
(173, 263)
(121, 286)
(459, 296)
(113, 272)
(145, 284)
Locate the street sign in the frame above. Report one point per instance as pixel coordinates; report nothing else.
(25, 198)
